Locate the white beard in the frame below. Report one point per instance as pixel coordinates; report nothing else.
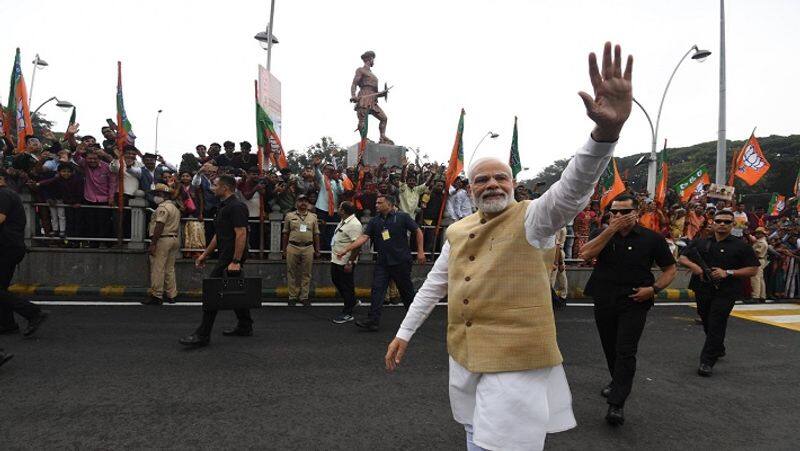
(492, 205)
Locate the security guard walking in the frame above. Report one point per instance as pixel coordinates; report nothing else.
(230, 238)
(164, 246)
(300, 245)
(728, 261)
(623, 288)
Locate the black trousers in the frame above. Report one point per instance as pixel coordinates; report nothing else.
(345, 286)
(325, 230)
(96, 222)
(242, 315)
(9, 302)
(714, 310)
(401, 275)
(620, 322)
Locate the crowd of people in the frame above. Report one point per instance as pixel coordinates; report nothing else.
(73, 172)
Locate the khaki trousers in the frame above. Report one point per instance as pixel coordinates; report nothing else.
(299, 261)
(757, 282)
(162, 268)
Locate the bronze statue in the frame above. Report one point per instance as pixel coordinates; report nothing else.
(367, 99)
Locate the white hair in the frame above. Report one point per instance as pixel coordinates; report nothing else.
(473, 165)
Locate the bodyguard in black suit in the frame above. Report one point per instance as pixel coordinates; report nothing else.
(230, 239)
(623, 288)
(731, 261)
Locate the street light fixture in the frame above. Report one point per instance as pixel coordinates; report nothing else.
(698, 55)
(63, 104)
(489, 134)
(262, 39)
(38, 63)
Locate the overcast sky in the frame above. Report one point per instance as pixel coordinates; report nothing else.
(197, 60)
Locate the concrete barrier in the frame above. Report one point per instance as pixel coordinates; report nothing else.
(111, 273)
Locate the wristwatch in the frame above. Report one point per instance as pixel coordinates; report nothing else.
(656, 290)
(729, 272)
(236, 262)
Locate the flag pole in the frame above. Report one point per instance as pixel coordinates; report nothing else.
(260, 174)
(121, 141)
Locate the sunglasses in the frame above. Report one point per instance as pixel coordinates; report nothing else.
(621, 211)
(723, 221)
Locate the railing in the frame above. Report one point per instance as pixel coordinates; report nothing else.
(135, 229)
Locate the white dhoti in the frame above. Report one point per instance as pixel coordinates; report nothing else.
(512, 410)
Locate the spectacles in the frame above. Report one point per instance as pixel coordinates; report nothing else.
(723, 221)
(621, 211)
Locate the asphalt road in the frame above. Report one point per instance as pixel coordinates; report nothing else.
(116, 377)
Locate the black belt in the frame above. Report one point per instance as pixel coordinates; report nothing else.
(299, 244)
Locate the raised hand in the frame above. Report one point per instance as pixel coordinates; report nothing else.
(613, 95)
(73, 128)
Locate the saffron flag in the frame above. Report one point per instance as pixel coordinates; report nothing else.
(18, 108)
(456, 164)
(123, 132)
(692, 183)
(513, 159)
(268, 139)
(751, 164)
(610, 184)
(662, 178)
(776, 205)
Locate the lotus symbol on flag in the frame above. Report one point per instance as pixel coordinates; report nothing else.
(780, 205)
(20, 117)
(752, 159)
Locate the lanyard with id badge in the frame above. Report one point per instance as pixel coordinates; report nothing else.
(385, 233)
(303, 227)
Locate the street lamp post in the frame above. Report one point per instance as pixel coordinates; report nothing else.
(37, 63)
(266, 39)
(722, 147)
(489, 134)
(156, 144)
(699, 55)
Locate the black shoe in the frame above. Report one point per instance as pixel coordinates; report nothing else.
(721, 355)
(170, 300)
(292, 302)
(367, 325)
(605, 391)
(698, 322)
(237, 332)
(5, 357)
(9, 329)
(705, 370)
(34, 324)
(615, 416)
(195, 340)
(152, 300)
(305, 302)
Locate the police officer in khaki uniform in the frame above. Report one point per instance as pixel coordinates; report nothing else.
(300, 246)
(164, 246)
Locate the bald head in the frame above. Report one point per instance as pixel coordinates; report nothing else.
(487, 164)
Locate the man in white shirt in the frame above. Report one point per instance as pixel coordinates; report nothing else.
(507, 385)
(740, 221)
(458, 203)
(348, 230)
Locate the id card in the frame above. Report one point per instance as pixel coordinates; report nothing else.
(303, 228)
(385, 235)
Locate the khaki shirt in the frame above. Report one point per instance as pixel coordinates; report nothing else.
(301, 229)
(168, 214)
(409, 198)
(346, 232)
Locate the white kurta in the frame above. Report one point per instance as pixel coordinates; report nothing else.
(516, 409)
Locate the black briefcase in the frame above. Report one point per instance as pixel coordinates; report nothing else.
(231, 293)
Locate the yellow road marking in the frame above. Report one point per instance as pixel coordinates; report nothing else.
(786, 316)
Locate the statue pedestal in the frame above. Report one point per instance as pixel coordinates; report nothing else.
(373, 153)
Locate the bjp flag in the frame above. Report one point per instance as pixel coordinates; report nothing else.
(692, 183)
(751, 164)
